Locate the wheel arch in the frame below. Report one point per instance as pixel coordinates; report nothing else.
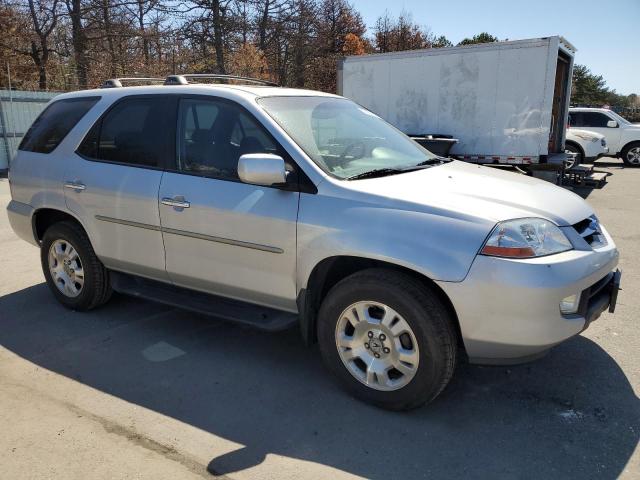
(43, 218)
(576, 145)
(331, 270)
(629, 144)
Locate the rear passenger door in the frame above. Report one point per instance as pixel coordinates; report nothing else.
(221, 235)
(112, 182)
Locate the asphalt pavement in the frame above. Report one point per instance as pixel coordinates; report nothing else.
(141, 390)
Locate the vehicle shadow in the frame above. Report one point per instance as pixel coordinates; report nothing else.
(572, 414)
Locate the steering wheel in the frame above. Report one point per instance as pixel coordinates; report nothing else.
(353, 146)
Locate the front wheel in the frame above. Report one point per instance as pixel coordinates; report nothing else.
(576, 160)
(631, 155)
(71, 268)
(387, 338)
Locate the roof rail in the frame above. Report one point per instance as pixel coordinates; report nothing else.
(117, 82)
(183, 79)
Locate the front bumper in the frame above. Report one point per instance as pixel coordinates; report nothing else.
(594, 152)
(509, 311)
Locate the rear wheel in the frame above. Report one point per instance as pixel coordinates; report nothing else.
(388, 339)
(71, 268)
(631, 155)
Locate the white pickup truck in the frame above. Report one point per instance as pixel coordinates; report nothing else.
(623, 137)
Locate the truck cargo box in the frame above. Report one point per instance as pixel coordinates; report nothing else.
(505, 102)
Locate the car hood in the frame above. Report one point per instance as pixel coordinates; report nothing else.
(460, 189)
(577, 131)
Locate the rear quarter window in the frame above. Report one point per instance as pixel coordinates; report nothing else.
(54, 123)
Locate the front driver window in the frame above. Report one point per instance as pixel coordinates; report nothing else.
(595, 119)
(213, 134)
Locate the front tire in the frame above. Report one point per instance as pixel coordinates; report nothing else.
(579, 158)
(71, 268)
(631, 155)
(388, 339)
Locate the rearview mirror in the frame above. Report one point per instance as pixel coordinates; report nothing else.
(612, 124)
(262, 169)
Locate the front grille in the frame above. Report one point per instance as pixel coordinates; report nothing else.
(589, 229)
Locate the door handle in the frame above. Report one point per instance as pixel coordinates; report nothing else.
(178, 202)
(75, 185)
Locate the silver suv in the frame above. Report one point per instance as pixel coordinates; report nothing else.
(278, 207)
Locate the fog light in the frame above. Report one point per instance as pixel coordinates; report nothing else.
(570, 304)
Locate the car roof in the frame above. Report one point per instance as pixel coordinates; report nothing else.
(589, 109)
(228, 91)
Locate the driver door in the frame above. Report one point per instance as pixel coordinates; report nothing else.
(597, 122)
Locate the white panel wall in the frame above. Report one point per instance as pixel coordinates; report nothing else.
(492, 97)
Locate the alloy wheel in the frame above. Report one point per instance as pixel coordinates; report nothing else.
(633, 156)
(66, 268)
(377, 346)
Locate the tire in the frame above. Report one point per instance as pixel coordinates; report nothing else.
(631, 155)
(433, 357)
(579, 158)
(95, 288)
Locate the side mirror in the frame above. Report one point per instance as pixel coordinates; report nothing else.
(612, 124)
(262, 169)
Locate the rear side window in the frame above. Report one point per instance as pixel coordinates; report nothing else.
(54, 123)
(136, 131)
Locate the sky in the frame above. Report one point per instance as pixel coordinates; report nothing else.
(606, 33)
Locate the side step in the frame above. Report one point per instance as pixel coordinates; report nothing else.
(263, 318)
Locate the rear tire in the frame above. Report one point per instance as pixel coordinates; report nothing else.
(71, 268)
(382, 303)
(631, 155)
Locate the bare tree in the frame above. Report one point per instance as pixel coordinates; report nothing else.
(75, 12)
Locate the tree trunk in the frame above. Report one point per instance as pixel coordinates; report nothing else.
(218, 35)
(262, 26)
(143, 32)
(106, 18)
(40, 65)
(79, 42)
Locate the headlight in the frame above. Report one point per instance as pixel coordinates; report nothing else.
(525, 238)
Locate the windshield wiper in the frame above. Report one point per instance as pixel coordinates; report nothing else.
(382, 172)
(378, 172)
(433, 161)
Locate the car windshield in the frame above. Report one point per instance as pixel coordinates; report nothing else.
(620, 119)
(343, 138)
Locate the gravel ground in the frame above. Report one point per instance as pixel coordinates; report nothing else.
(140, 390)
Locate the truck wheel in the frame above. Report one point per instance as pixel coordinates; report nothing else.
(71, 268)
(389, 340)
(631, 155)
(569, 164)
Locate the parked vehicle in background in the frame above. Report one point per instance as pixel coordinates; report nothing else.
(277, 207)
(623, 137)
(587, 146)
(505, 102)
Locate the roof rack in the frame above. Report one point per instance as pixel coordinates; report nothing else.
(117, 82)
(183, 79)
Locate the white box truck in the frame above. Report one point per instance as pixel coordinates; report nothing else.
(505, 102)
